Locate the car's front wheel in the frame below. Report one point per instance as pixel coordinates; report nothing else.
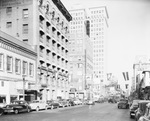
(1, 113)
(16, 111)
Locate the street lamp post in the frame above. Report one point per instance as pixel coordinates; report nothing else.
(23, 76)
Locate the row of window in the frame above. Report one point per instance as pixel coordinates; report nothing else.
(98, 42)
(96, 58)
(97, 16)
(99, 25)
(79, 31)
(76, 27)
(21, 67)
(97, 11)
(25, 13)
(77, 18)
(97, 20)
(76, 22)
(77, 14)
(98, 63)
(24, 27)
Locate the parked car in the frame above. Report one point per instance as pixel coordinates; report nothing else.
(112, 100)
(133, 108)
(38, 105)
(71, 102)
(63, 103)
(141, 109)
(100, 100)
(1, 111)
(123, 103)
(91, 102)
(53, 104)
(146, 116)
(77, 102)
(17, 106)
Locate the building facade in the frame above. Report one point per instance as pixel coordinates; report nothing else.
(81, 51)
(98, 34)
(43, 24)
(97, 20)
(17, 68)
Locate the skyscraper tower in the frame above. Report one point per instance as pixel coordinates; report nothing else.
(98, 32)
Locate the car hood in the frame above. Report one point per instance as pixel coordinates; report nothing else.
(133, 107)
(121, 103)
(12, 105)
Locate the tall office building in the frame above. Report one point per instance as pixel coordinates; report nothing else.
(98, 32)
(81, 62)
(43, 24)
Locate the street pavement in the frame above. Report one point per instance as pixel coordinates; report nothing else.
(97, 112)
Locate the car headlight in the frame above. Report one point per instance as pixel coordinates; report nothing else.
(140, 119)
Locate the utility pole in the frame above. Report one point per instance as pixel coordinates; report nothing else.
(24, 81)
(85, 70)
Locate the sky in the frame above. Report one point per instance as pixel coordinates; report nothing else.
(128, 35)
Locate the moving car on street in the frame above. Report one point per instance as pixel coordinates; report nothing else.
(133, 108)
(38, 105)
(141, 109)
(123, 103)
(16, 107)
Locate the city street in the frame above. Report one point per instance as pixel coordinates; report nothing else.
(98, 112)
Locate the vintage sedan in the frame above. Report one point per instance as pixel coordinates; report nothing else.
(91, 102)
(133, 108)
(53, 104)
(71, 102)
(141, 109)
(146, 116)
(63, 103)
(38, 105)
(123, 103)
(16, 107)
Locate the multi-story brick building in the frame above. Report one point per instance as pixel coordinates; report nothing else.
(81, 51)
(17, 68)
(43, 25)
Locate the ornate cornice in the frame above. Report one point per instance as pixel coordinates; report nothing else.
(12, 44)
(62, 9)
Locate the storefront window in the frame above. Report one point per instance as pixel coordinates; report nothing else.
(12, 98)
(2, 99)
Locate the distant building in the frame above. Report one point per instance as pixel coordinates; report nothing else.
(98, 34)
(81, 52)
(43, 24)
(17, 62)
(92, 24)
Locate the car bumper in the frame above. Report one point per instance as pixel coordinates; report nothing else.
(8, 111)
(122, 106)
(132, 114)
